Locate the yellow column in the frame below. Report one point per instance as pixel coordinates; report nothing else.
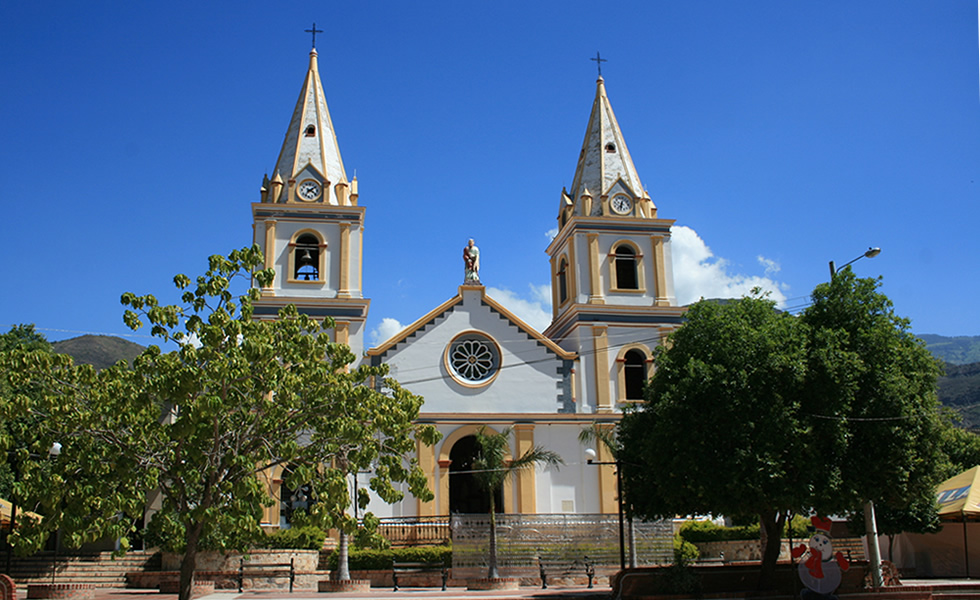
(659, 272)
(442, 495)
(343, 290)
(601, 358)
(608, 494)
(270, 246)
(595, 287)
(427, 461)
(360, 260)
(527, 501)
(342, 333)
(554, 287)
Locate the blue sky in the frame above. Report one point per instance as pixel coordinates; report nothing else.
(780, 136)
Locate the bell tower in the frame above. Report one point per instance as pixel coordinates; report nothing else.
(611, 279)
(309, 225)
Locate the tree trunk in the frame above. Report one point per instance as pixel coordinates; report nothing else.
(492, 570)
(772, 531)
(343, 565)
(188, 564)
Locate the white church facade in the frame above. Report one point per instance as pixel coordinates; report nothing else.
(612, 302)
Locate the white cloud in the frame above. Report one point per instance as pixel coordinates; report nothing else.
(772, 267)
(385, 330)
(698, 273)
(535, 310)
(551, 233)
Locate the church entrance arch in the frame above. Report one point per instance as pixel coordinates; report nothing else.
(465, 494)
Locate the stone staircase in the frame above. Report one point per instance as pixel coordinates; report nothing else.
(99, 569)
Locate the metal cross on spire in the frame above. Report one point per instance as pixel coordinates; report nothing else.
(314, 31)
(598, 62)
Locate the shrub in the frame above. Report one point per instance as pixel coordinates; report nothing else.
(684, 551)
(380, 560)
(707, 531)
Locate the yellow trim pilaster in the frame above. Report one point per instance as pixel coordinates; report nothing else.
(360, 261)
(342, 333)
(608, 496)
(427, 462)
(595, 287)
(270, 246)
(343, 290)
(554, 287)
(659, 272)
(601, 361)
(527, 500)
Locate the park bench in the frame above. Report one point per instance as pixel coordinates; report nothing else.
(406, 568)
(577, 566)
(267, 570)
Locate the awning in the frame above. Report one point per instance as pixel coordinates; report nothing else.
(959, 496)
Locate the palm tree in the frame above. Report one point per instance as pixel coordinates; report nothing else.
(491, 469)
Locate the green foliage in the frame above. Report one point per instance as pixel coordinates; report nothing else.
(303, 538)
(380, 560)
(685, 551)
(751, 410)
(958, 350)
(24, 337)
(203, 423)
(959, 389)
(708, 531)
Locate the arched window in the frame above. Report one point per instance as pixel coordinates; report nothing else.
(306, 258)
(310, 131)
(562, 281)
(626, 267)
(634, 374)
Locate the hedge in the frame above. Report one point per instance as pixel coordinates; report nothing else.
(380, 560)
(707, 531)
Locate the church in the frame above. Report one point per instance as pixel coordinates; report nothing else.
(474, 362)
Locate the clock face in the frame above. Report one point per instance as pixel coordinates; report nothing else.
(308, 190)
(621, 204)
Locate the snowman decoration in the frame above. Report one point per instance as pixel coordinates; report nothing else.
(821, 571)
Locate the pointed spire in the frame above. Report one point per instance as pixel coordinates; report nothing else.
(311, 143)
(604, 159)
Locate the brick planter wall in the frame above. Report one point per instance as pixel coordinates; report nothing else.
(8, 591)
(60, 591)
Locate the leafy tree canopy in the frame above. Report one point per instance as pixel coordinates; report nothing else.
(751, 410)
(202, 425)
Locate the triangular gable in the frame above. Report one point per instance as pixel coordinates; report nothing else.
(495, 306)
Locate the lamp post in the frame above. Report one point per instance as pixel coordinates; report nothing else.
(590, 456)
(870, 528)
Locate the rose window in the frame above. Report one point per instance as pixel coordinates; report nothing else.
(473, 359)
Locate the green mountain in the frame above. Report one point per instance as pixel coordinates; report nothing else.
(100, 351)
(959, 350)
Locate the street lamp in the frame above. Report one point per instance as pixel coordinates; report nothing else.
(871, 253)
(870, 528)
(590, 456)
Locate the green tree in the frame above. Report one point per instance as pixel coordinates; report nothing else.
(755, 411)
(870, 400)
(721, 429)
(492, 468)
(201, 423)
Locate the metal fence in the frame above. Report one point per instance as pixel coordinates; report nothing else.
(555, 539)
(415, 531)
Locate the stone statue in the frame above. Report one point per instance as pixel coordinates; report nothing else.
(471, 259)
